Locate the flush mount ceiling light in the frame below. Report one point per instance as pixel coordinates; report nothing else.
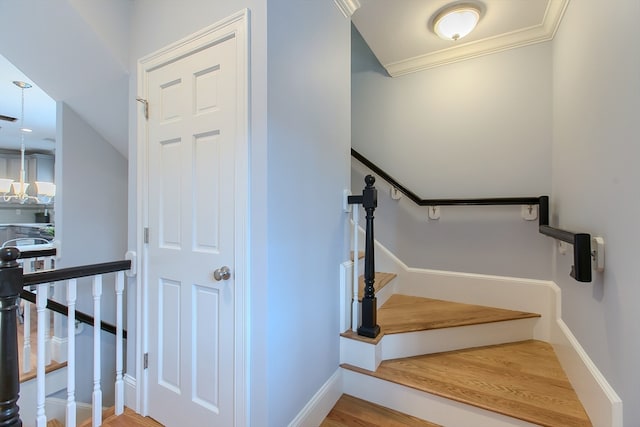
(456, 21)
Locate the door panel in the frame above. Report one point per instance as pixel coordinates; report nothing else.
(191, 195)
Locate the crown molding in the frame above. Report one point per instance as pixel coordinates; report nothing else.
(527, 36)
(347, 7)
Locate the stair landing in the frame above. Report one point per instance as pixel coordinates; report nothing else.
(128, 419)
(523, 380)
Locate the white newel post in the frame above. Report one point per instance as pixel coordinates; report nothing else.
(97, 392)
(71, 352)
(119, 347)
(41, 304)
(355, 305)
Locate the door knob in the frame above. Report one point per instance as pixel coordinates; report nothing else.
(222, 273)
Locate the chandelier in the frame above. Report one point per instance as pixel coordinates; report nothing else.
(16, 191)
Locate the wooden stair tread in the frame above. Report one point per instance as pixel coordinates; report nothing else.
(523, 380)
(128, 419)
(402, 313)
(351, 411)
(380, 281)
(54, 423)
(360, 255)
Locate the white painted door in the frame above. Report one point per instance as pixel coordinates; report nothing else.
(192, 131)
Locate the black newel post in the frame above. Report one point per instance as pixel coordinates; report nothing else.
(10, 287)
(369, 199)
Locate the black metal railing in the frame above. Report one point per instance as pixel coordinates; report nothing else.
(369, 201)
(12, 282)
(582, 255)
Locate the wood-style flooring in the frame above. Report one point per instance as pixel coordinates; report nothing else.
(350, 411)
(128, 419)
(522, 380)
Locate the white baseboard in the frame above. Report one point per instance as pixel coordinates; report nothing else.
(321, 403)
(59, 348)
(601, 402)
(130, 392)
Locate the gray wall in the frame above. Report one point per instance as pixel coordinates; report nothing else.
(308, 168)
(91, 206)
(477, 128)
(596, 104)
(299, 167)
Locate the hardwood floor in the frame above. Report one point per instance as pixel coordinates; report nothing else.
(350, 411)
(402, 313)
(128, 419)
(523, 380)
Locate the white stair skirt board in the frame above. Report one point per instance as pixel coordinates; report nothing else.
(369, 356)
(601, 402)
(423, 405)
(54, 382)
(316, 410)
(130, 396)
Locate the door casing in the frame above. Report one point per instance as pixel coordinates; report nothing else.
(236, 25)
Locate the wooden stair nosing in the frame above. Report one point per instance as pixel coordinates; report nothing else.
(488, 379)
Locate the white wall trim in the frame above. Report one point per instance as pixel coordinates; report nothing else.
(315, 411)
(347, 7)
(59, 348)
(602, 403)
(130, 393)
(524, 37)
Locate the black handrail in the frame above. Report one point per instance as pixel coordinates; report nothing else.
(442, 202)
(12, 282)
(581, 268)
(80, 316)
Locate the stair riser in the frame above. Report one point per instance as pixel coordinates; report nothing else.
(369, 356)
(423, 405)
(439, 340)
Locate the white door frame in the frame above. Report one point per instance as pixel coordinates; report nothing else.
(236, 25)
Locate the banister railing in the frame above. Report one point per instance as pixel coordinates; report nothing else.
(12, 281)
(582, 253)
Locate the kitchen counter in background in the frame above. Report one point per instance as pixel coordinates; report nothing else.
(26, 231)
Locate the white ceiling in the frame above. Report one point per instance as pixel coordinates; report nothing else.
(39, 112)
(399, 32)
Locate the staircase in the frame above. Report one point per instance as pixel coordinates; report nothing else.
(453, 364)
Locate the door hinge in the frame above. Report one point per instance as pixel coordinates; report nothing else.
(145, 361)
(146, 235)
(145, 103)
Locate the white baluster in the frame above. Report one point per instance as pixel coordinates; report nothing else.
(26, 331)
(71, 353)
(47, 333)
(119, 353)
(41, 304)
(355, 310)
(97, 392)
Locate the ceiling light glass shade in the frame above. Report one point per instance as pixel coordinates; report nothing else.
(5, 185)
(19, 188)
(47, 189)
(457, 22)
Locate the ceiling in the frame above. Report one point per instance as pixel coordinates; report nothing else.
(399, 34)
(397, 31)
(39, 112)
